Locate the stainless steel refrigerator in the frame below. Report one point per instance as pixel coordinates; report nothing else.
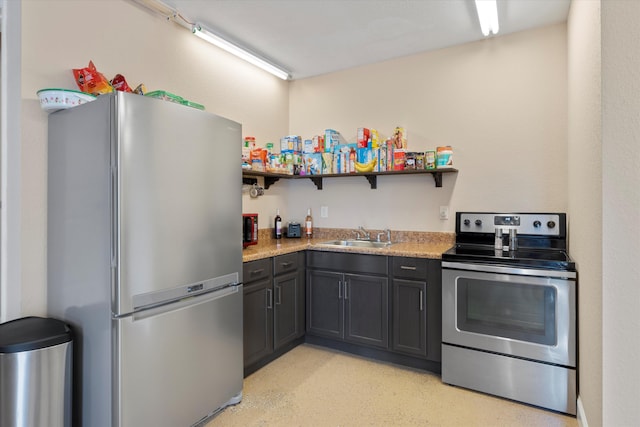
(145, 258)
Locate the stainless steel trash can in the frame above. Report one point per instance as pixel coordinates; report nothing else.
(35, 373)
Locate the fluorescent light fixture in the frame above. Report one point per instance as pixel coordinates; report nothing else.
(488, 16)
(216, 40)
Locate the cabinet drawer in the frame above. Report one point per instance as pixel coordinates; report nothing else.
(409, 268)
(256, 270)
(285, 263)
(348, 263)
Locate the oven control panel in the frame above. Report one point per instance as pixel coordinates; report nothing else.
(539, 224)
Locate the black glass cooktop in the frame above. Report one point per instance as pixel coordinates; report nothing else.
(555, 259)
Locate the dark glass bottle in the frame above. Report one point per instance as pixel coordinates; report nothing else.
(277, 229)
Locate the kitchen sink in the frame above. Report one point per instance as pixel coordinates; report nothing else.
(358, 243)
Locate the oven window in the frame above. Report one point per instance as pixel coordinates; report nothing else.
(510, 310)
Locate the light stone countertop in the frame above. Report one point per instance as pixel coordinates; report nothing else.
(408, 244)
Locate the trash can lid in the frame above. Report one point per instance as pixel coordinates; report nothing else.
(32, 333)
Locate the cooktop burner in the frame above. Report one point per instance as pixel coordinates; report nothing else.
(555, 259)
(542, 240)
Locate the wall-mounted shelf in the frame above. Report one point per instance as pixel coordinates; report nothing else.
(372, 177)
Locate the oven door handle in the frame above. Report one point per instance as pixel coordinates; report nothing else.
(509, 270)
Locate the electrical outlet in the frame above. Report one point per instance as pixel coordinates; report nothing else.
(444, 212)
(324, 211)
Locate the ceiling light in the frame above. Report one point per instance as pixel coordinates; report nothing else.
(488, 16)
(216, 40)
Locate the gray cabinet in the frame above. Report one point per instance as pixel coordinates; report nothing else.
(434, 310)
(409, 287)
(347, 297)
(416, 307)
(273, 307)
(257, 310)
(366, 310)
(325, 314)
(288, 298)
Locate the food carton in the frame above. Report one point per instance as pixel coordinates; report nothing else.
(331, 140)
(430, 160)
(327, 163)
(363, 137)
(312, 163)
(444, 157)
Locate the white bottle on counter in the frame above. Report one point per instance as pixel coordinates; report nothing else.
(308, 224)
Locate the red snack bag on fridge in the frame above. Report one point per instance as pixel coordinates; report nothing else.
(89, 80)
(119, 83)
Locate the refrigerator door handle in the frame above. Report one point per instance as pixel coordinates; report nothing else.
(114, 216)
(153, 299)
(185, 301)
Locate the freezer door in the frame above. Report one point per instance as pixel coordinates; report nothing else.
(176, 197)
(178, 363)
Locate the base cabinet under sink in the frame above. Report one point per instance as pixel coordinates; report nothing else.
(350, 307)
(383, 307)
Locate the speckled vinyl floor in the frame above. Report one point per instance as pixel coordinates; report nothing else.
(314, 386)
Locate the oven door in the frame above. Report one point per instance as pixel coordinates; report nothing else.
(513, 311)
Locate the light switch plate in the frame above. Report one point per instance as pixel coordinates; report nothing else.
(324, 211)
(444, 212)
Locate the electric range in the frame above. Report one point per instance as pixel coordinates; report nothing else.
(509, 291)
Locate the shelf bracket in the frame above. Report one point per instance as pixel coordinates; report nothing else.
(249, 181)
(373, 180)
(269, 181)
(437, 177)
(317, 181)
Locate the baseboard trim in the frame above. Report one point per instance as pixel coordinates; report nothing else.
(377, 354)
(581, 416)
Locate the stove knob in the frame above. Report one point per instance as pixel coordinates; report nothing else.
(467, 222)
(551, 224)
(537, 224)
(478, 222)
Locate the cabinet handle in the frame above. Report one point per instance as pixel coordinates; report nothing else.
(346, 284)
(269, 299)
(254, 272)
(286, 264)
(408, 267)
(339, 289)
(421, 298)
(278, 295)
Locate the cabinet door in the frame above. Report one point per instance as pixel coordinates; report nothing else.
(366, 310)
(258, 321)
(410, 317)
(286, 291)
(434, 310)
(324, 303)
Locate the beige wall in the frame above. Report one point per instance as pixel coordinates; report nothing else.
(122, 38)
(585, 196)
(620, 212)
(501, 103)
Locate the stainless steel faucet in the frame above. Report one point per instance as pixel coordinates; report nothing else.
(365, 234)
(387, 232)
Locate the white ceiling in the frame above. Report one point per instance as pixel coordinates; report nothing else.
(313, 37)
